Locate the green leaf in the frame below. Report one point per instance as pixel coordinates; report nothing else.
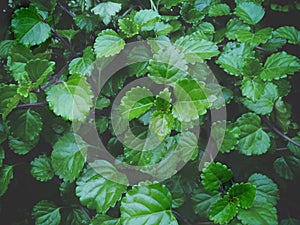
(101, 124)
(203, 202)
(87, 22)
(260, 37)
(261, 212)
(102, 103)
(68, 156)
(100, 186)
(167, 66)
(76, 96)
(25, 125)
(250, 12)
(108, 43)
(233, 26)
(77, 217)
(244, 192)
(2, 156)
(287, 166)
(46, 213)
(293, 148)
(265, 104)
(162, 28)
(136, 102)
(106, 10)
(234, 56)
(223, 210)
(147, 204)
(196, 49)
(288, 32)
(253, 88)
(290, 221)
(67, 193)
(252, 67)
(278, 65)
(101, 219)
(161, 124)
(6, 175)
(192, 101)
(9, 99)
(83, 65)
(128, 27)
(253, 140)
(20, 146)
(113, 85)
(163, 100)
(219, 10)
(274, 44)
(5, 47)
(146, 19)
(192, 14)
(265, 187)
(283, 115)
(29, 27)
(41, 168)
(213, 175)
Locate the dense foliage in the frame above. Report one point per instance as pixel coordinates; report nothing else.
(201, 56)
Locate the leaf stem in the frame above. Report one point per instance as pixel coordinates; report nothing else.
(67, 44)
(35, 104)
(181, 218)
(277, 131)
(63, 8)
(55, 78)
(84, 212)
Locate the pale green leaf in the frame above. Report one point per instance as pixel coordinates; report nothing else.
(102, 103)
(83, 65)
(68, 156)
(106, 10)
(29, 27)
(219, 10)
(257, 38)
(278, 65)
(76, 96)
(147, 204)
(253, 88)
(253, 140)
(288, 32)
(146, 19)
(9, 99)
(233, 25)
(100, 186)
(250, 12)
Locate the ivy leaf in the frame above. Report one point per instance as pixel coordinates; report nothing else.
(266, 211)
(101, 219)
(46, 213)
(219, 10)
(260, 37)
(83, 65)
(25, 125)
(203, 202)
(29, 27)
(100, 186)
(244, 192)
(20, 146)
(106, 10)
(278, 65)
(253, 88)
(233, 26)
(287, 166)
(232, 59)
(167, 66)
(265, 104)
(146, 19)
(136, 102)
(76, 95)
(223, 210)
(38, 70)
(265, 187)
(9, 99)
(161, 124)
(41, 168)
(192, 101)
(196, 49)
(148, 204)
(68, 156)
(253, 140)
(108, 43)
(6, 175)
(288, 32)
(213, 175)
(250, 12)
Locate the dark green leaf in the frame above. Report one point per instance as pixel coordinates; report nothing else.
(288, 32)
(46, 213)
(41, 168)
(6, 175)
(244, 192)
(287, 166)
